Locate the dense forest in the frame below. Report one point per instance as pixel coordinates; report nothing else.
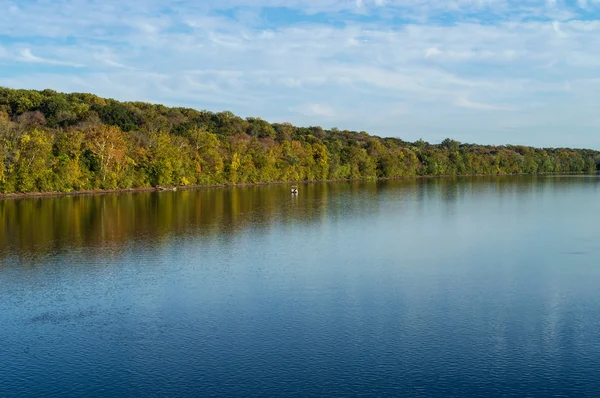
(56, 142)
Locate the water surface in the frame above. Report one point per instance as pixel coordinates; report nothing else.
(420, 287)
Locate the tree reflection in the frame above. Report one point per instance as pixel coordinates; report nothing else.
(52, 225)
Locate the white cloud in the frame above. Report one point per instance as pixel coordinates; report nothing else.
(314, 109)
(25, 55)
(107, 57)
(557, 30)
(466, 103)
(346, 73)
(431, 52)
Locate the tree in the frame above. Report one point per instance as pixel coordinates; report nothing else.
(450, 144)
(260, 128)
(33, 164)
(285, 131)
(51, 141)
(167, 160)
(67, 168)
(109, 147)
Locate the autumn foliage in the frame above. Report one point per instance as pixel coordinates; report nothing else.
(55, 142)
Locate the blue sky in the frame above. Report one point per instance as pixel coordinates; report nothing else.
(485, 71)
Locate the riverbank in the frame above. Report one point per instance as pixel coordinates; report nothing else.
(142, 145)
(21, 195)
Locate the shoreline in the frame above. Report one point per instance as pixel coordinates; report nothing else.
(28, 195)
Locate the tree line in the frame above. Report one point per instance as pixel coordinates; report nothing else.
(57, 142)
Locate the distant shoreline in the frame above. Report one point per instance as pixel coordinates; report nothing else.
(55, 144)
(95, 192)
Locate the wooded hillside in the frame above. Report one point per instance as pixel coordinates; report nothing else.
(55, 142)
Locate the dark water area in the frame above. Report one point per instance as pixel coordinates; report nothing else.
(468, 287)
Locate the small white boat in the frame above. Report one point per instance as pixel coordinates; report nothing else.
(294, 190)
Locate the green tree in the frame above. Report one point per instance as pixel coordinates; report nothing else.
(54, 141)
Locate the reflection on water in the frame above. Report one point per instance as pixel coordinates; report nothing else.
(49, 225)
(42, 225)
(419, 287)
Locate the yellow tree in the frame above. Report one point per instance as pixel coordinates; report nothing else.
(2, 170)
(33, 162)
(109, 146)
(208, 156)
(321, 160)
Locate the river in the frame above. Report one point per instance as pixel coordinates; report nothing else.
(466, 287)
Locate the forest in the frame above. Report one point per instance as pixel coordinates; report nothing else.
(58, 142)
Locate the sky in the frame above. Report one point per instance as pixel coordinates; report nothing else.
(480, 71)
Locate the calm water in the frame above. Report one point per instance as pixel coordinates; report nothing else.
(437, 287)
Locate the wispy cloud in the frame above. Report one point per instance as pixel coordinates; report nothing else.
(314, 109)
(25, 55)
(107, 58)
(466, 103)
